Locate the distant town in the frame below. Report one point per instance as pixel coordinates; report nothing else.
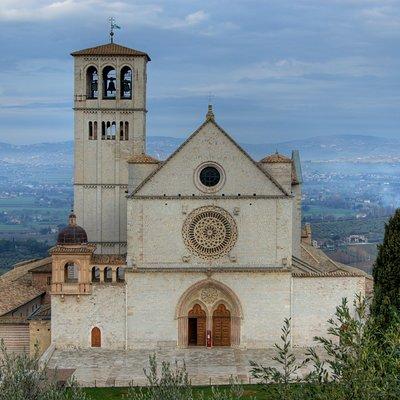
(347, 203)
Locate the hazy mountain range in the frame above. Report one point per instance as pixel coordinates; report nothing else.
(322, 148)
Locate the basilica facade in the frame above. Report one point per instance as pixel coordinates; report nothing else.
(204, 248)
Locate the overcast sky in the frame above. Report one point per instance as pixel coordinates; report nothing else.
(278, 70)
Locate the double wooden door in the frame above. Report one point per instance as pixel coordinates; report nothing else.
(221, 326)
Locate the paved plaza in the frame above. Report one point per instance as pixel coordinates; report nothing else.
(100, 367)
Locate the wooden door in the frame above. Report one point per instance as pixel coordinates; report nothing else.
(197, 333)
(96, 337)
(221, 326)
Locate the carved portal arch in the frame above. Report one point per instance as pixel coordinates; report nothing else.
(210, 295)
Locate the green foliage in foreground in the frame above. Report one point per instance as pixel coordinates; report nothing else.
(22, 378)
(386, 273)
(360, 366)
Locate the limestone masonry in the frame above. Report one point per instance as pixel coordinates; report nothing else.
(203, 249)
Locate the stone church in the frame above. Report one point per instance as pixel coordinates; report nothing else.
(204, 248)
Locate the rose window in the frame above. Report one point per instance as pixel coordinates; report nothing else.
(209, 232)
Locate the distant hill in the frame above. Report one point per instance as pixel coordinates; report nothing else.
(321, 148)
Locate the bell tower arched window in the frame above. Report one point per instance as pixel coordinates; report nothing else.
(92, 83)
(109, 83)
(126, 83)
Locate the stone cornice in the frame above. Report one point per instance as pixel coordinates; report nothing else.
(210, 270)
(111, 109)
(208, 197)
(88, 248)
(109, 259)
(106, 185)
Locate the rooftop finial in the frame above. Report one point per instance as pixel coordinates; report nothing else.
(113, 26)
(72, 219)
(210, 113)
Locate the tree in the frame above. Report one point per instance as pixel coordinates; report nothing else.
(386, 273)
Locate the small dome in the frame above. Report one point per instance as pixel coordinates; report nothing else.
(276, 158)
(72, 233)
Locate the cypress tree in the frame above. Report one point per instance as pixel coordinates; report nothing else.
(386, 273)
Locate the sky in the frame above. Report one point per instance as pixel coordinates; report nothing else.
(278, 70)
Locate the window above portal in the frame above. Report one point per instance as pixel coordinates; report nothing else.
(209, 177)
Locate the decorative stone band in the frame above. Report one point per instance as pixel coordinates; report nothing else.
(109, 259)
(209, 197)
(127, 110)
(107, 185)
(110, 244)
(208, 270)
(88, 248)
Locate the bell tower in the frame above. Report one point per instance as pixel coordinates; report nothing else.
(110, 126)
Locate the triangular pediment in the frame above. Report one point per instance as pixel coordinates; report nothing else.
(209, 144)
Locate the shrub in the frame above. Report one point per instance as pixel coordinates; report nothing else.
(22, 378)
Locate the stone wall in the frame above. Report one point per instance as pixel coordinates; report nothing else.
(74, 317)
(264, 231)
(153, 300)
(315, 301)
(39, 337)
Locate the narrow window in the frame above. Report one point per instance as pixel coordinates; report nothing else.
(126, 83)
(95, 274)
(92, 81)
(107, 274)
(120, 274)
(90, 130)
(95, 130)
(103, 130)
(108, 130)
(70, 273)
(126, 130)
(121, 130)
(113, 130)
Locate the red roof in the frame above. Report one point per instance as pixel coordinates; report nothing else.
(110, 49)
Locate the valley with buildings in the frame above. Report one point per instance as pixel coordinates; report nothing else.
(351, 186)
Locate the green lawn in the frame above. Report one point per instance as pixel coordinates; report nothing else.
(118, 393)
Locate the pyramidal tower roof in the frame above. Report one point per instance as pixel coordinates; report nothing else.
(109, 49)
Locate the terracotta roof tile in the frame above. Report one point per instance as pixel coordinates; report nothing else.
(276, 158)
(23, 268)
(110, 49)
(16, 294)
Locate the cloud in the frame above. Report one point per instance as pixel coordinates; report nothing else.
(291, 68)
(142, 14)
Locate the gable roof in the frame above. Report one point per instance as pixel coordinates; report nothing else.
(314, 262)
(110, 49)
(209, 120)
(16, 294)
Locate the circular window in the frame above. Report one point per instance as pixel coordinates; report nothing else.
(209, 232)
(210, 176)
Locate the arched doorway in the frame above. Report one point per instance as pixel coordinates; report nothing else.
(196, 326)
(96, 337)
(221, 335)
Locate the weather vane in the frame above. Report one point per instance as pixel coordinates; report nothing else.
(113, 26)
